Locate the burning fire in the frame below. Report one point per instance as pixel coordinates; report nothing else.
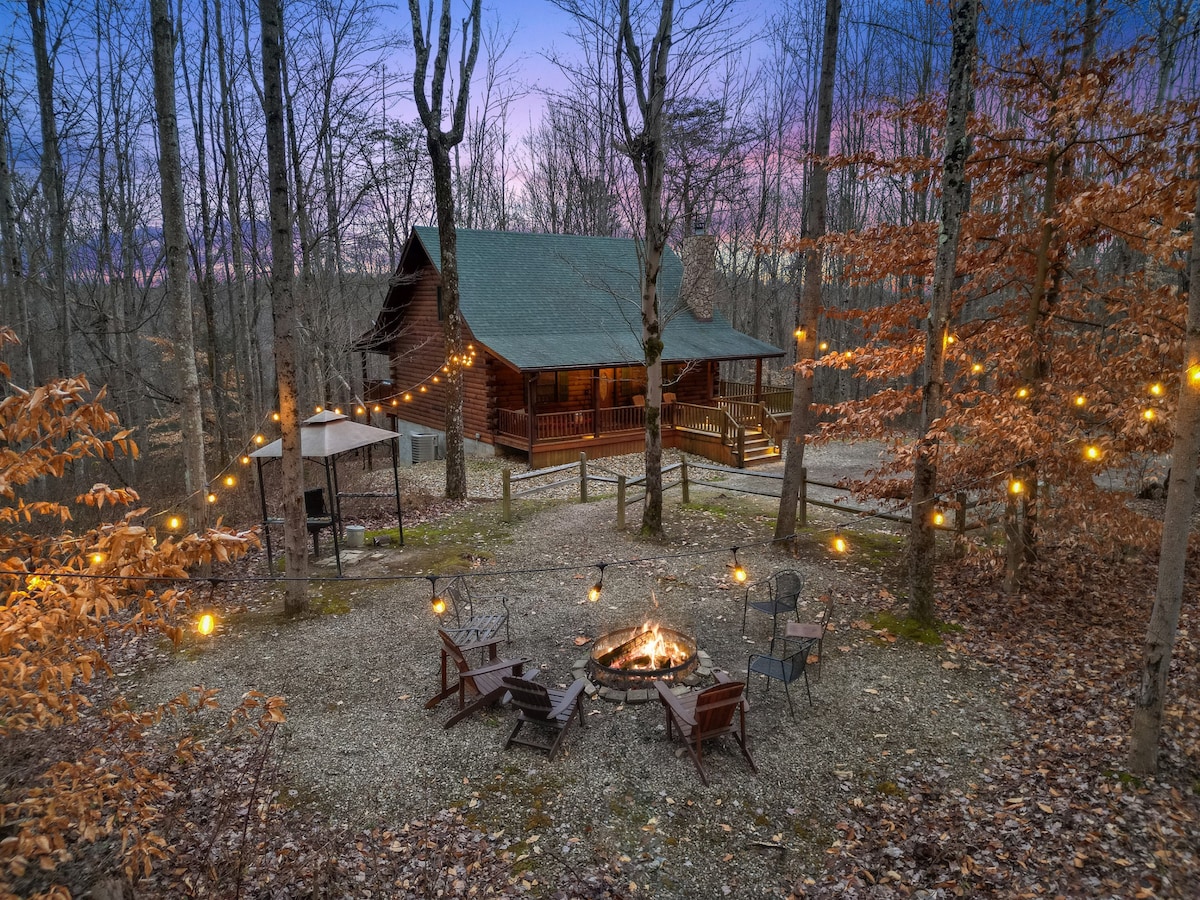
(648, 649)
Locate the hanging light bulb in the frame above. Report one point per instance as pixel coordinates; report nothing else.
(174, 523)
(229, 481)
(801, 334)
(1193, 374)
(211, 497)
(319, 408)
(436, 380)
(359, 411)
(407, 397)
(1092, 452)
(97, 558)
(1149, 415)
(1016, 486)
(245, 460)
(422, 389)
(396, 402)
(823, 346)
(839, 543)
(274, 417)
(938, 517)
(976, 368)
(1156, 389)
(377, 408)
(259, 439)
(737, 570)
(337, 410)
(597, 589)
(1080, 400)
(1022, 393)
(205, 624)
(436, 601)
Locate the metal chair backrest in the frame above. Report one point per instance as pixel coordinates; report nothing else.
(715, 708)
(460, 599)
(314, 503)
(787, 587)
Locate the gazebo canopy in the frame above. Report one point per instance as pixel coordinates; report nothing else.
(327, 434)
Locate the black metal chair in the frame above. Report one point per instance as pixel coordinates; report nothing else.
(812, 631)
(316, 515)
(782, 592)
(783, 668)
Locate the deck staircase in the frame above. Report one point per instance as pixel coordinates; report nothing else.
(759, 448)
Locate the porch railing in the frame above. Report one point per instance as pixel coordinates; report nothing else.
(777, 400)
(561, 426)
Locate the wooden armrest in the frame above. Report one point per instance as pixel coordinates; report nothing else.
(497, 666)
(671, 702)
(568, 698)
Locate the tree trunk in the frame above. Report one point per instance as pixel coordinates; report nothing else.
(12, 271)
(175, 239)
(808, 314)
(440, 143)
(283, 311)
(52, 182)
(956, 199)
(1172, 561)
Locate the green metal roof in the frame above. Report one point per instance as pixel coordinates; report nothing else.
(553, 301)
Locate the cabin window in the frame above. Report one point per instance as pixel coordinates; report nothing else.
(631, 380)
(553, 387)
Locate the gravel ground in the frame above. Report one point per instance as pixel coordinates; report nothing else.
(360, 744)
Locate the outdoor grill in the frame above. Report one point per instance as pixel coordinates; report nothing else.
(631, 659)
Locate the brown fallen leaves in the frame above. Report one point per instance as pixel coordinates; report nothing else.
(1055, 814)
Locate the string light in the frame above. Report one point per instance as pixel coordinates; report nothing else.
(1156, 389)
(359, 411)
(205, 624)
(1022, 393)
(377, 408)
(436, 601)
(319, 408)
(1080, 400)
(737, 570)
(1092, 452)
(823, 346)
(801, 334)
(274, 417)
(229, 481)
(1193, 374)
(839, 543)
(260, 439)
(1016, 486)
(337, 410)
(97, 558)
(211, 497)
(598, 588)
(938, 517)
(976, 368)
(245, 460)
(1149, 415)
(174, 523)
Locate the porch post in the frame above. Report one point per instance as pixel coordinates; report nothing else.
(531, 406)
(595, 402)
(758, 380)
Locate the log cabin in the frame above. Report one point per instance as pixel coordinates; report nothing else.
(553, 327)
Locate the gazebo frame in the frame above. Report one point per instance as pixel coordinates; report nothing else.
(324, 437)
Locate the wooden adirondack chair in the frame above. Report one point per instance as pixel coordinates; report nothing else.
(549, 711)
(476, 687)
(702, 715)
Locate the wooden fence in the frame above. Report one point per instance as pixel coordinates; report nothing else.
(960, 524)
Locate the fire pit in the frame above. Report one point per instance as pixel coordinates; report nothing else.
(632, 659)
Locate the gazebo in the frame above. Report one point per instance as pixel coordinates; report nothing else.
(326, 436)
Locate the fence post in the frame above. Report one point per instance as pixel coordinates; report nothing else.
(683, 479)
(803, 497)
(620, 501)
(741, 446)
(960, 524)
(506, 495)
(583, 492)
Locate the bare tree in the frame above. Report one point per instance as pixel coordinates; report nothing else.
(956, 199)
(1172, 559)
(440, 142)
(283, 309)
(175, 239)
(809, 308)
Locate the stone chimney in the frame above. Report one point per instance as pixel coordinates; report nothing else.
(699, 288)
